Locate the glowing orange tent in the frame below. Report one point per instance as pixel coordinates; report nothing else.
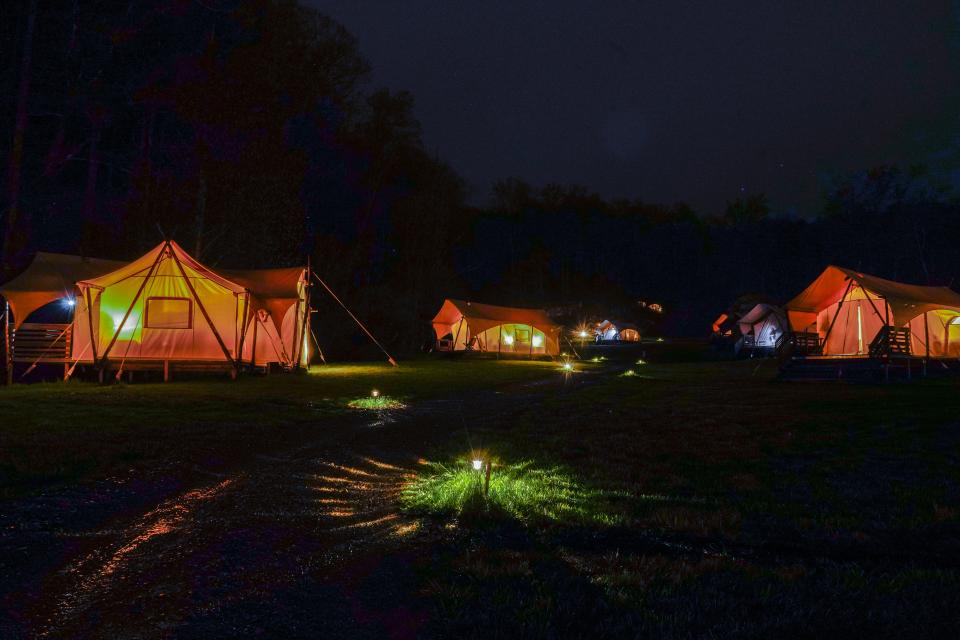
(162, 308)
(166, 306)
(471, 326)
(847, 309)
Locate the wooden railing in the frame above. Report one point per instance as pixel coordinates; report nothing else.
(36, 342)
(804, 343)
(891, 341)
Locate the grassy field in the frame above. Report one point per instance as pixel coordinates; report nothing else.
(57, 432)
(721, 504)
(686, 500)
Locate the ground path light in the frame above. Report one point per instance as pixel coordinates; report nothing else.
(375, 393)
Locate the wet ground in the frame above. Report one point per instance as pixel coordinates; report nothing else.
(302, 541)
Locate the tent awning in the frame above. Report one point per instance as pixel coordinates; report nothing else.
(906, 300)
(50, 276)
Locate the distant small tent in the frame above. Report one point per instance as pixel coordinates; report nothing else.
(846, 310)
(617, 331)
(763, 326)
(471, 326)
(164, 307)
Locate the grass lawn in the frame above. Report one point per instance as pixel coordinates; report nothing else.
(54, 432)
(721, 504)
(688, 500)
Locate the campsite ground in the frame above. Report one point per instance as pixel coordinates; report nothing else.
(689, 500)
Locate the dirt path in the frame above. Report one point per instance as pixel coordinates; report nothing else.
(194, 552)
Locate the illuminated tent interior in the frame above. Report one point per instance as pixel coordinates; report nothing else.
(847, 309)
(470, 326)
(166, 307)
(616, 330)
(763, 324)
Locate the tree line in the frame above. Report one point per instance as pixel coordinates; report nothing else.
(250, 132)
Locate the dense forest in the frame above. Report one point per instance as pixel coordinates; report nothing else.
(254, 137)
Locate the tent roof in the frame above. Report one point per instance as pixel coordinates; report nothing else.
(906, 300)
(48, 277)
(268, 283)
(141, 266)
(489, 314)
(759, 312)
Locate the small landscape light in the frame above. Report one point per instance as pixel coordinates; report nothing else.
(567, 366)
(583, 334)
(375, 393)
(477, 465)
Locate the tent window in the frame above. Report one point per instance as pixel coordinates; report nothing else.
(169, 313)
(523, 335)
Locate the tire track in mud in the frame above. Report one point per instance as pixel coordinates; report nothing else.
(214, 546)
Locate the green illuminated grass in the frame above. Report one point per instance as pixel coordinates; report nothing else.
(519, 491)
(376, 404)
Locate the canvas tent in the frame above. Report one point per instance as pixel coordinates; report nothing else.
(165, 307)
(617, 330)
(471, 326)
(846, 309)
(762, 326)
(48, 278)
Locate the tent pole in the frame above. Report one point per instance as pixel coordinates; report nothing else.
(243, 329)
(839, 306)
(297, 335)
(7, 356)
(499, 340)
(360, 324)
(206, 316)
(530, 355)
(93, 339)
(253, 347)
(870, 300)
(306, 310)
(323, 359)
(106, 352)
(457, 337)
(926, 339)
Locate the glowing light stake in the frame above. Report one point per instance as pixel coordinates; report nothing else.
(478, 464)
(583, 334)
(568, 366)
(375, 393)
(641, 361)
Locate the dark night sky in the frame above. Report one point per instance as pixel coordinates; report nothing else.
(694, 101)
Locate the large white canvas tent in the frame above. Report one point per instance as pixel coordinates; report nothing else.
(846, 310)
(763, 326)
(166, 308)
(471, 326)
